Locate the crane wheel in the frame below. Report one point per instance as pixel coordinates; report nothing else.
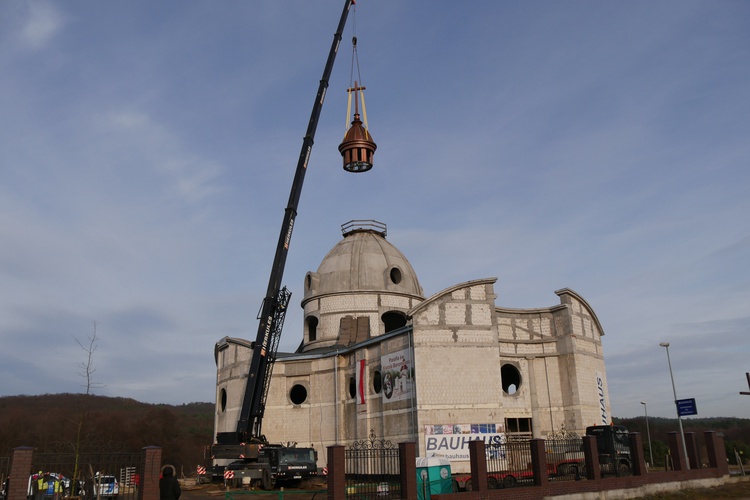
(266, 482)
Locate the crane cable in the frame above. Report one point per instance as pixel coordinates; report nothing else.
(355, 86)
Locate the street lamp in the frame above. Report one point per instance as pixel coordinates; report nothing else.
(648, 434)
(679, 417)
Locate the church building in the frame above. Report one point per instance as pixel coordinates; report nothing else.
(379, 358)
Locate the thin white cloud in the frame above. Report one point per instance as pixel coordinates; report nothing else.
(42, 23)
(192, 178)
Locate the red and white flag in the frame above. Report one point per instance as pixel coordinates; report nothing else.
(361, 380)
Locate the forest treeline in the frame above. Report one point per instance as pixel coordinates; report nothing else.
(50, 424)
(736, 433)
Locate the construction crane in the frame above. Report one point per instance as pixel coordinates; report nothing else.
(255, 459)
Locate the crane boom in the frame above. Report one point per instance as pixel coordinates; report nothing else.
(273, 309)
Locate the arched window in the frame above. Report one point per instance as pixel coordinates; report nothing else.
(312, 328)
(352, 387)
(393, 320)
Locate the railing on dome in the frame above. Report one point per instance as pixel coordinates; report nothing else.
(364, 225)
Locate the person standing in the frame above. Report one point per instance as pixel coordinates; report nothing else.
(41, 486)
(169, 487)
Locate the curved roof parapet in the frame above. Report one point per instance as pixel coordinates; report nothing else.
(451, 289)
(567, 291)
(224, 343)
(364, 225)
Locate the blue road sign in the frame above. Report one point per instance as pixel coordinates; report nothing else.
(686, 407)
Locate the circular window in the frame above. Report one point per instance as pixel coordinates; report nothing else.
(395, 275)
(377, 382)
(223, 400)
(352, 387)
(298, 394)
(511, 379)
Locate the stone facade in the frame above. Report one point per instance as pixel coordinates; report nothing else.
(378, 356)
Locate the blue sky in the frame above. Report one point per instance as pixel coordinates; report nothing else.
(147, 150)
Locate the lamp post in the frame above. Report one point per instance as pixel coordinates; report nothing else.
(648, 434)
(679, 417)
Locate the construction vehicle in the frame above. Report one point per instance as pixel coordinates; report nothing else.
(255, 460)
(613, 448)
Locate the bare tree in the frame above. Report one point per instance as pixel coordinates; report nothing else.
(87, 370)
(87, 366)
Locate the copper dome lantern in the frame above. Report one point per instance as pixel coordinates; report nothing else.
(357, 148)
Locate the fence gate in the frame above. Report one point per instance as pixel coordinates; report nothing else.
(373, 469)
(91, 476)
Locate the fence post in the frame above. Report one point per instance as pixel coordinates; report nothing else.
(150, 472)
(20, 470)
(678, 453)
(636, 454)
(591, 455)
(692, 450)
(478, 461)
(336, 472)
(539, 462)
(407, 456)
(717, 455)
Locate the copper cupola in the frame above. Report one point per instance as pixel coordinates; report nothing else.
(357, 148)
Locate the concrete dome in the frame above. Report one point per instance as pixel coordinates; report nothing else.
(364, 261)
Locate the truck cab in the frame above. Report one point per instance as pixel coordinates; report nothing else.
(613, 448)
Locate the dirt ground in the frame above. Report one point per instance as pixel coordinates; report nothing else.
(191, 491)
(736, 490)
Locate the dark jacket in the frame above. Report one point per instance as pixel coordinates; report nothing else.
(169, 487)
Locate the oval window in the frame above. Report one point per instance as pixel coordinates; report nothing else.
(511, 378)
(298, 394)
(395, 275)
(377, 382)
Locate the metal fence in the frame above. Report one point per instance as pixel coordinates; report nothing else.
(509, 465)
(373, 469)
(565, 461)
(88, 475)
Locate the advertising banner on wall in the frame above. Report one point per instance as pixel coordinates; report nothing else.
(398, 376)
(602, 398)
(452, 441)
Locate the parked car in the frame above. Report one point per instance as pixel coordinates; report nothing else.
(108, 486)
